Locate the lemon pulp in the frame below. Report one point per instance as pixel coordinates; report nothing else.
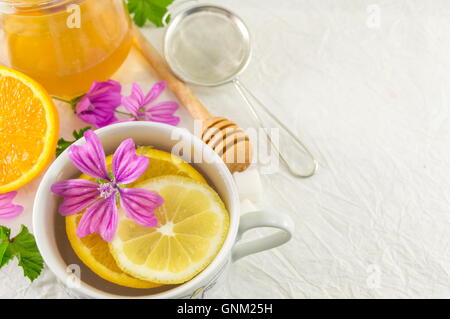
(192, 226)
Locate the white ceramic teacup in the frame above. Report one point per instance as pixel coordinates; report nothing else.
(49, 226)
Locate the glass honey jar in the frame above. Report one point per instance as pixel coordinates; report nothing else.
(65, 44)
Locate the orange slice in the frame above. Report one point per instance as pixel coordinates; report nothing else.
(28, 129)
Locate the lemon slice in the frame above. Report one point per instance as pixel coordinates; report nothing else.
(193, 223)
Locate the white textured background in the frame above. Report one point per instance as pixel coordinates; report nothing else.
(373, 104)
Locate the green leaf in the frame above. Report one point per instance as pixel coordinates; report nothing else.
(24, 247)
(8, 255)
(5, 257)
(79, 134)
(64, 144)
(151, 10)
(26, 250)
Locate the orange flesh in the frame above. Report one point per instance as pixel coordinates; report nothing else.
(28, 129)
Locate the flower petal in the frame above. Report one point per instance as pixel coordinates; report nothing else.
(78, 194)
(6, 199)
(126, 165)
(10, 211)
(140, 204)
(7, 208)
(100, 218)
(98, 105)
(163, 113)
(90, 158)
(135, 101)
(100, 88)
(98, 118)
(131, 105)
(154, 93)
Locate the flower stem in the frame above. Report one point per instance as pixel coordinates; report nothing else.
(61, 100)
(124, 113)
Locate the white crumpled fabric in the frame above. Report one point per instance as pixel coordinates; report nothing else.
(366, 85)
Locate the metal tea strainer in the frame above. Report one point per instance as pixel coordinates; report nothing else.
(210, 46)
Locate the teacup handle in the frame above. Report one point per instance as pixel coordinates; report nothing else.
(283, 223)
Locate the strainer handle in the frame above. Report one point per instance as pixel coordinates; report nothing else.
(244, 91)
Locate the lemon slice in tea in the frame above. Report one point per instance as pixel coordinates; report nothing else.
(192, 226)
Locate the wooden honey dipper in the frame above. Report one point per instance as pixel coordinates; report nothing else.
(226, 138)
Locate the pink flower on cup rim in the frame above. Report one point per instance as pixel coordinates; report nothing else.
(8, 209)
(99, 198)
(138, 105)
(98, 105)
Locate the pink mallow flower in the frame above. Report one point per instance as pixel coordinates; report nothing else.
(98, 105)
(138, 105)
(8, 209)
(100, 197)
